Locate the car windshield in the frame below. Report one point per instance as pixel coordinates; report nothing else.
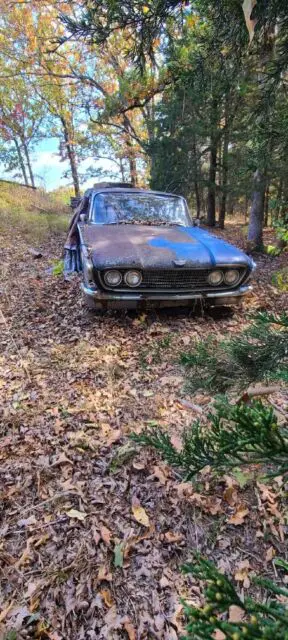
(139, 208)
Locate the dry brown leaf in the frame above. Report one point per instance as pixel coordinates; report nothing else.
(266, 493)
(236, 614)
(177, 442)
(130, 630)
(270, 553)
(241, 573)
(247, 6)
(114, 437)
(159, 474)
(164, 582)
(239, 516)
(78, 515)
(104, 574)
(218, 635)
(140, 515)
(5, 611)
(106, 535)
(174, 381)
(230, 495)
(106, 595)
(26, 555)
(173, 536)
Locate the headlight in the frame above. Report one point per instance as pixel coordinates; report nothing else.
(215, 278)
(112, 278)
(232, 276)
(133, 278)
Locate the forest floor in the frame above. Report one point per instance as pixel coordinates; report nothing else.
(93, 530)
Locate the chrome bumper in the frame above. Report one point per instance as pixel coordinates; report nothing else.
(110, 300)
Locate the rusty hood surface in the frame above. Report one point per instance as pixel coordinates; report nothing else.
(147, 247)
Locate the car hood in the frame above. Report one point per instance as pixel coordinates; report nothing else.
(145, 247)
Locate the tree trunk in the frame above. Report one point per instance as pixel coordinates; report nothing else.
(255, 230)
(122, 170)
(133, 169)
(279, 198)
(26, 153)
(266, 206)
(212, 186)
(21, 161)
(196, 180)
(71, 157)
(222, 212)
(246, 209)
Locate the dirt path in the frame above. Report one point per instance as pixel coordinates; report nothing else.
(73, 552)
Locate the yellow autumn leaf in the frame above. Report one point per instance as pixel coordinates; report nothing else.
(140, 515)
(78, 515)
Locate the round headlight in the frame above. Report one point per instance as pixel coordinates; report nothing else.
(232, 276)
(133, 278)
(215, 278)
(112, 278)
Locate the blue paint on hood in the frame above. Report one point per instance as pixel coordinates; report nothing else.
(199, 246)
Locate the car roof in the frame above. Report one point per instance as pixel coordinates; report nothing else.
(128, 189)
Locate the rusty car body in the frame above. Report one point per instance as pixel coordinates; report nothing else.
(139, 248)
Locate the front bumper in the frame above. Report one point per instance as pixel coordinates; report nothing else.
(102, 300)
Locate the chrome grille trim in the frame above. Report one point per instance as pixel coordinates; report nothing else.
(174, 280)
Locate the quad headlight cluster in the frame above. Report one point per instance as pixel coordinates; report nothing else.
(230, 277)
(114, 277)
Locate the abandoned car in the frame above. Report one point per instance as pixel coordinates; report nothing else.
(140, 248)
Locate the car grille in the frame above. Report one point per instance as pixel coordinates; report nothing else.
(174, 280)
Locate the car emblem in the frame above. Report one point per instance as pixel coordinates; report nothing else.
(179, 263)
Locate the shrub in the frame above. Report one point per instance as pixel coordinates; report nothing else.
(266, 620)
(258, 353)
(237, 435)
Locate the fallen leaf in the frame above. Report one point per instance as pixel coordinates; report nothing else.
(114, 437)
(164, 582)
(239, 516)
(174, 381)
(173, 536)
(270, 553)
(230, 495)
(177, 442)
(119, 554)
(140, 515)
(241, 573)
(5, 611)
(78, 515)
(236, 614)
(106, 535)
(159, 474)
(106, 595)
(130, 630)
(104, 574)
(218, 635)
(266, 493)
(26, 522)
(247, 6)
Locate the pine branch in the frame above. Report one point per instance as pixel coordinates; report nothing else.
(237, 435)
(263, 620)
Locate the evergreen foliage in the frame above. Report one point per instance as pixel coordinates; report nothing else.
(266, 619)
(237, 435)
(258, 353)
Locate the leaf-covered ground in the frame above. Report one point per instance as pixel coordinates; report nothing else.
(93, 531)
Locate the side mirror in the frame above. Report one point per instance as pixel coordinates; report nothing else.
(82, 217)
